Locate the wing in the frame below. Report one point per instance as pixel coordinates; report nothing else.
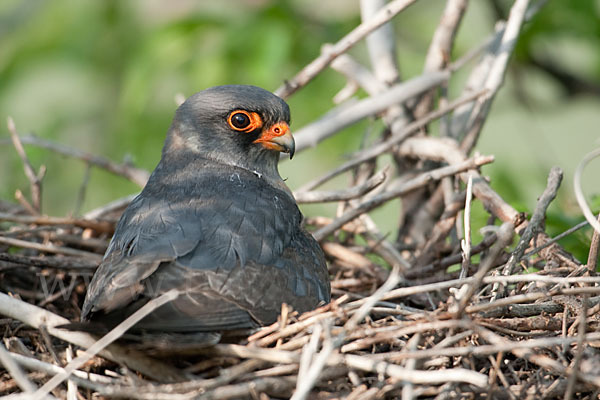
(228, 240)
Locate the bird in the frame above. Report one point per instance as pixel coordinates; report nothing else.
(216, 222)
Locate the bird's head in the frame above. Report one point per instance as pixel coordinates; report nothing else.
(238, 125)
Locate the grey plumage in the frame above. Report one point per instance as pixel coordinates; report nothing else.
(215, 221)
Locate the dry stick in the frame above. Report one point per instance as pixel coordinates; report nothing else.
(476, 80)
(440, 49)
(308, 352)
(538, 359)
(15, 371)
(49, 262)
(359, 74)
(34, 179)
(370, 301)
(81, 377)
(23, 202)
(343, 194)
(592, 260)
(418, 377)
(465, 244)
(99, 226)
(483, 350)
(281, 385)
(136, 175)
(557, 238)
(50, 248)
(536, 224)
(71, 384)
(528, 297)
(396, 138)
(381, 44)
(574, 369)
(36, 316)
(589, 216)
(411, 345)
(310, 378)
(432, 287)
(418, 272)
(113, 206)
(495, 78)
(107, 339)
(345, 115)
(343, 45)
(402, 189)
(505, 235)
(82, 190)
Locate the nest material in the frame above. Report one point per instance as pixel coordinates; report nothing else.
(431, 315)
(386, 333)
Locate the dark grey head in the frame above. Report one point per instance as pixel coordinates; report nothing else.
(238, 125)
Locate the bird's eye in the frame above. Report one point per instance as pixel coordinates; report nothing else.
(244, 121)
(240, 121)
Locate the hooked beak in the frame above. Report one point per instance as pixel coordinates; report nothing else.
(278, 137)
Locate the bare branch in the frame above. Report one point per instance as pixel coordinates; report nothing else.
(344, 194)
(326, 57)
(32, 176)
(136, 175)
(343, 116)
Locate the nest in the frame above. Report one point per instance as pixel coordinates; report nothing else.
(431, 315)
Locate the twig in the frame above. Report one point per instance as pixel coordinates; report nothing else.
(50, 248)
(359, 74)
(34, 179)
(505, 234)
(311, 376)
(589, 216)
(71, 384)
(484, 350)
(23, 201)
(581, 340)
(536, 224)
(107, 339)
(99, 226)
(381, 44)
(592, 260)
(400, 190)
(343, 194)
(408, 389)
(113, 206)
(403, 134)
(82, 190)
(344, 115)
(440, 49)
(465, 244)
(15, 371)
(49, 262)
(343, 45)
(136, 175)
(415, 376)
(35, 317)
(370, 301)
(496, 74)
(557, 238)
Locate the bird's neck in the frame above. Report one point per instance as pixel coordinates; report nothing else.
(263, 165)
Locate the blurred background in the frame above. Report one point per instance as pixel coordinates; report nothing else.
(102, 77)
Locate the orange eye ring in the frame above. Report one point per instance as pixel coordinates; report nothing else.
(244, 121)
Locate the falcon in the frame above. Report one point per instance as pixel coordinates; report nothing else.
(216, 222)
